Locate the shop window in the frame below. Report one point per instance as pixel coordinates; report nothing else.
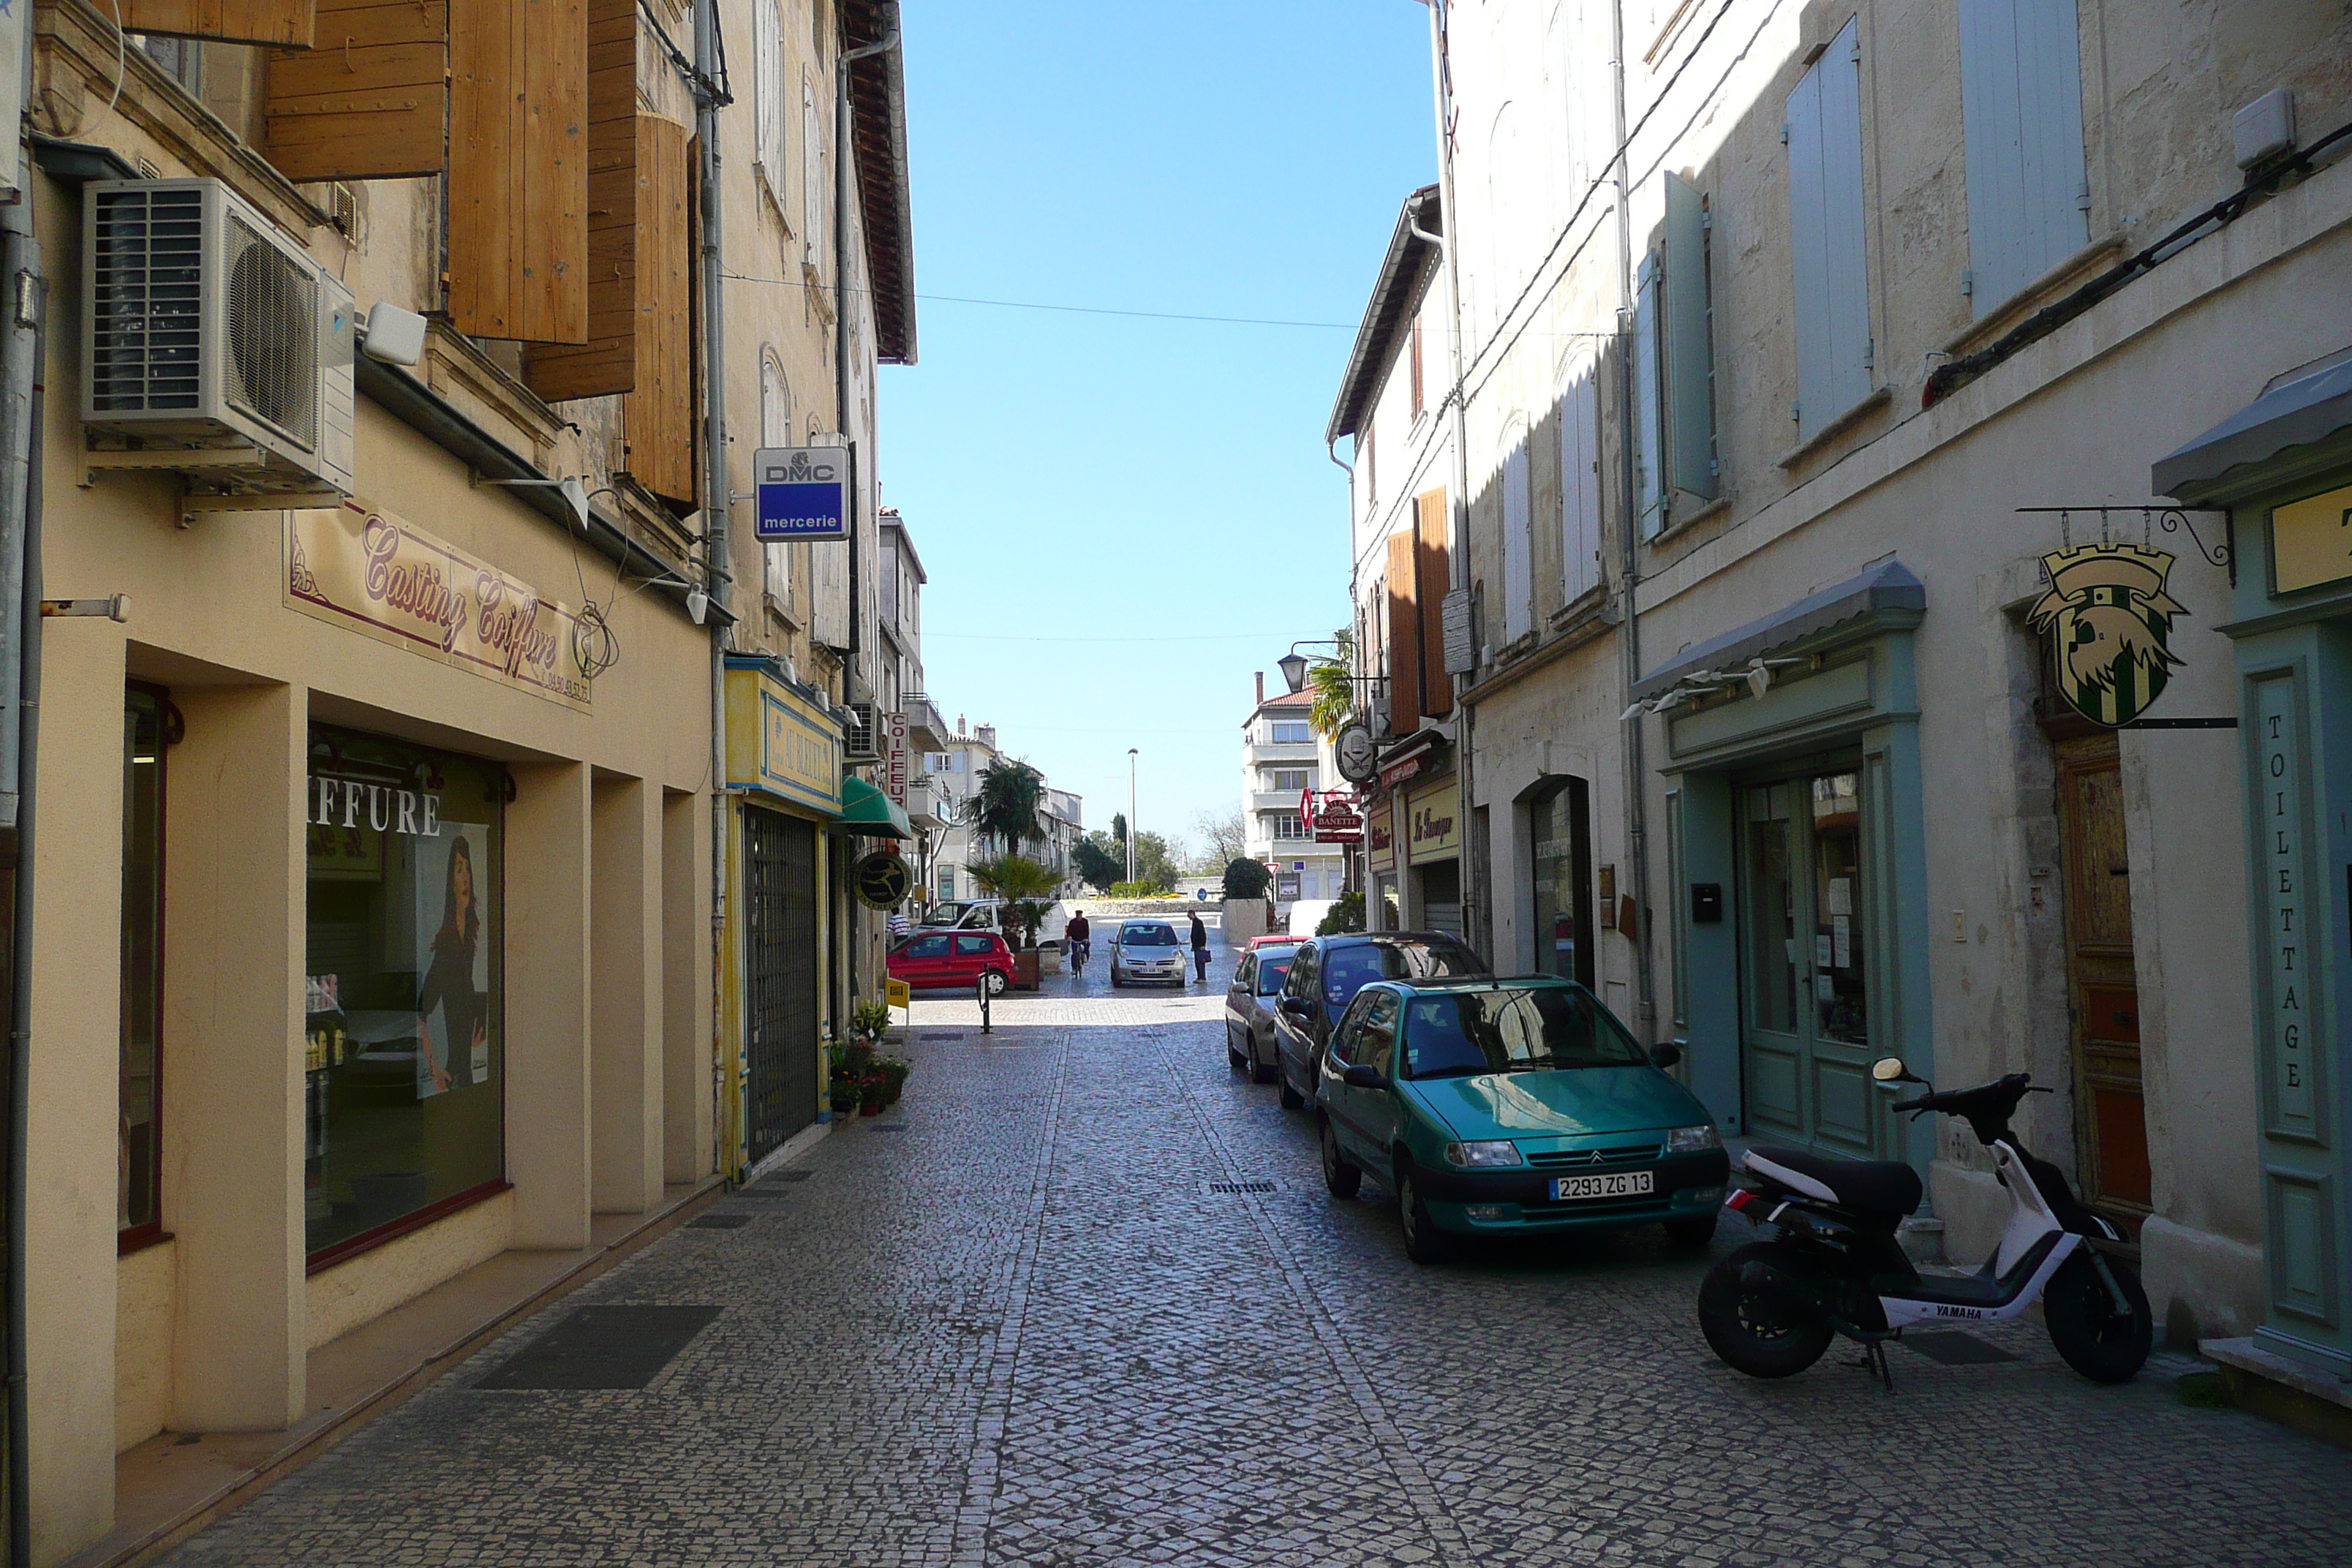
(139, 1163)
(1559, 831)
(403, 1099)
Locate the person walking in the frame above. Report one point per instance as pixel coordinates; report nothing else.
(1077, 939)
(1200, 948)
(900, 924)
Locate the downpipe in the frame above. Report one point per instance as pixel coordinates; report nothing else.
(716, 486)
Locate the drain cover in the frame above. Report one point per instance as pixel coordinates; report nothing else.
(1954, 1348)
(1234, 1189)
(941, 1034)
(718, 1220)
(888, 1127)
(603, 1347)
(790, 1176)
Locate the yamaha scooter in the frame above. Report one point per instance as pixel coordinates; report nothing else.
(1831, 1263)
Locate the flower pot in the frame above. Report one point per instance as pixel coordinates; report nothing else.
(1024, 969)
(871, 1105)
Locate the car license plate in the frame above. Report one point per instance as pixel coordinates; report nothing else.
(1615, 1184)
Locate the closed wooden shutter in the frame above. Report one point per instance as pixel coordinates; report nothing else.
(1827, 249)
(371, 101)
(1519, 542)
(1579, 483)
(1649, 424)
(518, 235)
(1433, 576)
(607, 362)
(2022, 114)
(1687, 354)
(287, 22)
(658, 417)
(1404, 637)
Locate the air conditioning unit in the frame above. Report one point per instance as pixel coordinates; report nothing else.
(214, 345)
(861, 745)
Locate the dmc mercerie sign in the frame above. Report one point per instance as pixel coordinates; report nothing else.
(802, 492)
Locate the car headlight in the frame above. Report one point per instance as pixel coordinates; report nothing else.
(1487, 1155)
(1692, 1140)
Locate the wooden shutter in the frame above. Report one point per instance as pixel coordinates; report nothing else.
(1432, 578)
(1687, 354)
(657, 420)
(1649, 436)
(1825, 221)
(1404, 637)
(371, 101)
(1580, 484)
(1519, 544)
(2022, 114)
(287, 22)
(518, 235)
(607, 362)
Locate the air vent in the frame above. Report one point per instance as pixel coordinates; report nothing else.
(864, 733)
(146, 299)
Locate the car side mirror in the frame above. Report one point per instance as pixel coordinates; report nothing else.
(1666, 1053)
(1363, 1075)
(1290, 1007)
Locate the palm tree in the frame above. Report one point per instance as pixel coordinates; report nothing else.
(1006, 807)
(1020, 884)
(1331, 681)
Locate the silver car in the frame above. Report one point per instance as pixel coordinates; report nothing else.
(1145, 951)
(1249, 1009)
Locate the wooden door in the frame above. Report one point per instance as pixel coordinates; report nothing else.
(2111, 1123)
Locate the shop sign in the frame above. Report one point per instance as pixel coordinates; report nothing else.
(1433, 824)
(1334, 818)
(2311, 542)
(2280, 784)
(882, 880)
(1380, 838)
(2109, 618)
(361, 568)
(894, 758)
(780, 742)
(802, 492)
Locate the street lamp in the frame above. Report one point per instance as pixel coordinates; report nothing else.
(1131, 814)
(1293, 665)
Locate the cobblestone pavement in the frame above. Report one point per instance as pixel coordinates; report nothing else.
(1008, 1325)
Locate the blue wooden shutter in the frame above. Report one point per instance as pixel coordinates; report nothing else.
(1580, 484)
(1827, 251)
(1648, 466)
(1518, 571)
(1688, 356)
(2021, 110)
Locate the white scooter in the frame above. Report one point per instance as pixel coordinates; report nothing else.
(1832, 1265)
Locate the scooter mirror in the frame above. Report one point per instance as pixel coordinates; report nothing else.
(1889, 1069)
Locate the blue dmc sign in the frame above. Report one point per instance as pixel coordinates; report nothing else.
(802, 492)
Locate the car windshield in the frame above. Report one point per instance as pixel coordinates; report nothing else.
(1152, 935)
(1538, 1028)
(1271, 970)
(1348, 970)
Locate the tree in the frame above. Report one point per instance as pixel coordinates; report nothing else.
(1225, 836)
(1155, 864)
(1020, 883)
(1101, 860)
(1119, 829)
(1245, 878)
(1005, 809)
(1346, 914)
(1332, 682)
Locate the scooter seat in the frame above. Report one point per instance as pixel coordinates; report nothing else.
(1871, 1186)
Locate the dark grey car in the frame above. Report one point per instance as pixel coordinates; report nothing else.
(1325, 975)
(1249, 1008)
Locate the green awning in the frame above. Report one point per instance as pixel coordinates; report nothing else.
(869, 813)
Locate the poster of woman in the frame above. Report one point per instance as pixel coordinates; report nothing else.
(452, 1023)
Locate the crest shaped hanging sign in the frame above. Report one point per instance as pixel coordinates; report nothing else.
(2110, 621)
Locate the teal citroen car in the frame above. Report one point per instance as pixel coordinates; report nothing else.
(1511, 1107)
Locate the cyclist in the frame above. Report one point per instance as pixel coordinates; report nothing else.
(1077, 936)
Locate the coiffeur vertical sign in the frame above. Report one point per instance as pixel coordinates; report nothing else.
(361, 567)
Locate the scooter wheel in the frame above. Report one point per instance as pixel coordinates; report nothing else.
(2103, 1344)
(1752, 1334)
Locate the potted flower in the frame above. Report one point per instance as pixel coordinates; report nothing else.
(873, 1087)
(894, 1079)
(869, 1021)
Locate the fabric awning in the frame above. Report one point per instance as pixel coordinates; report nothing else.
(1886, 587)
(2296, 413)
(868, 812)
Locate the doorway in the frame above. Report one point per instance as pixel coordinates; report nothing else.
(1559, 827)
(780, 978)
(2101, 980)
(1805, 1001)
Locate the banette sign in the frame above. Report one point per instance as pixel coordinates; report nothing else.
(374, 574)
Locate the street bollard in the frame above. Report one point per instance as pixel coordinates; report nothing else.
(981, 985)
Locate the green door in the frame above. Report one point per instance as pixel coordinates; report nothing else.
(1804, 1010)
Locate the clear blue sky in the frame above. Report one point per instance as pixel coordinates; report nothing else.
(1159, 487)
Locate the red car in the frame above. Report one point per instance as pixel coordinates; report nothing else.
(953, 959)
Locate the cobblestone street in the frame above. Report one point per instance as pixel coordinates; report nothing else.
(1010, 1322)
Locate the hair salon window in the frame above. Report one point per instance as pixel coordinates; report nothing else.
(403, 1106)
(139, 1161)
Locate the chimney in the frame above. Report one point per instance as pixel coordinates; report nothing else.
(1261, 689)
(987, 734)
(959, 729)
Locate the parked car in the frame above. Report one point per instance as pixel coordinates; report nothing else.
(1144, 951)
(973, 914)
(1249, 1006)
(935, 959)
(1511, 1106)
(1325, 975)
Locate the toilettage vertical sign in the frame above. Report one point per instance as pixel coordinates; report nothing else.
(363, 568)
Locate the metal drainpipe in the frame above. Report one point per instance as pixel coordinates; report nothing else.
(1629, 635)
(22, 344)
(1458, 550)
(843, 186)
(717, 491)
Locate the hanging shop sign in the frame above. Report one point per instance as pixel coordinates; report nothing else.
(1354, 752)
(363, 569)
(2109, 619)
(781, 742)
(802, 492)
(1332, 817)
(2311, 542)
(894, 758)
(882, 880)
(1433, 824)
